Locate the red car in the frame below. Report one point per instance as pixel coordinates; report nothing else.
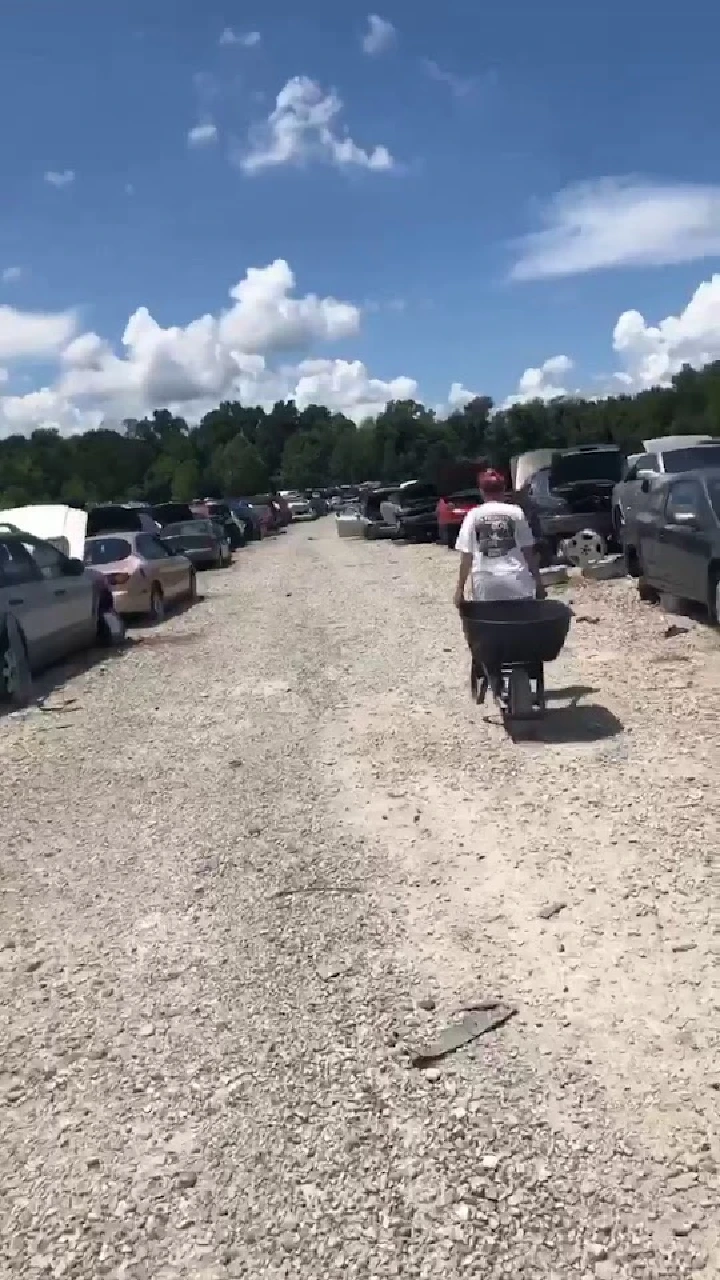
(452, 510)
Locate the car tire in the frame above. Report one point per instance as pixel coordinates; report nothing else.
(714, 596)
(15, 674)
(192, 587)
(156, 613)
(632, 562)
(646, 593)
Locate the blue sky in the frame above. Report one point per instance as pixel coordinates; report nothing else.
(488, 113)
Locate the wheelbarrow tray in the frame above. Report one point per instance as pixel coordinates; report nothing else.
(515, 632)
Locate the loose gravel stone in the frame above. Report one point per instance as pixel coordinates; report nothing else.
(247, 1118)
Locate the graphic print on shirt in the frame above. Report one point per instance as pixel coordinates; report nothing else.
(495, 536)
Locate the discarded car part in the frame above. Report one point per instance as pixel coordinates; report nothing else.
(351, 526)
(458, 1034)
(605, 569)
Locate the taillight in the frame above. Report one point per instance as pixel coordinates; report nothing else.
(118, 579)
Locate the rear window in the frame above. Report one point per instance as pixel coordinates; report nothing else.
(700, 455)
(107, 550)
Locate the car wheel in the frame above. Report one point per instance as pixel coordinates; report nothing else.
(618, 523)
(157, 604)
(632, 563)
(192, 586)
(15, 674)
(714, 597)
(646, 593)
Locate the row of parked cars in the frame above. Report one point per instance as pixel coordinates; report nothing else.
(660, 508)
(71, 578)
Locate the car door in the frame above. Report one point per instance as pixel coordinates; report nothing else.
(169, 570)
(75, 593)
(632, 493)
(685, 539)
(25, 594)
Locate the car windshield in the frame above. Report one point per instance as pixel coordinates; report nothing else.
(107, 550)
(699, 455)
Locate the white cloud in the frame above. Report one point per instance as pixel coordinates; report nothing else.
(302, 127)
(459, 397)
(621, 222)
(27, 335)
(379, 37)
(346, 386)
(245, 39)
(191, 368)
(60, 178)
(541, 383)
(10, 275)
(202, 135)
(653, 353)
(459, 86)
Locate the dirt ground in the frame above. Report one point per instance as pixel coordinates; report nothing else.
(273, 847)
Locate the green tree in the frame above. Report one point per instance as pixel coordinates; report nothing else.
(238, 470)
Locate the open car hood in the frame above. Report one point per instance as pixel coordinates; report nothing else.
(586, 467)
(525, 465)
(662, 444)
(64, 527)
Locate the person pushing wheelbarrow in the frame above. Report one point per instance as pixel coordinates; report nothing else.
(498, 556)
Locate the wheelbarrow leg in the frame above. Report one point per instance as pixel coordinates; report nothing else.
(539, 677)
(478, 683)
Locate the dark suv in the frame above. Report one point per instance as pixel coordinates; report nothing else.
(676, 539)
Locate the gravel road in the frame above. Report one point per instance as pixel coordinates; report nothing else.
(271, 848)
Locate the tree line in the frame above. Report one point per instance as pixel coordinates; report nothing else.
(237, 450)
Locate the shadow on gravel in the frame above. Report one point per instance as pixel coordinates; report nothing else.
(47, 683)
(578, 722)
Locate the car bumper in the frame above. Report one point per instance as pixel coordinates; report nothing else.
(566, 524)
(126, 603)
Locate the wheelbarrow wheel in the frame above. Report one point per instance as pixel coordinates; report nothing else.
(520, 702)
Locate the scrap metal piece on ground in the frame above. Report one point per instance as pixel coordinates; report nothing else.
(603, 570)
(554, 575)
(675, 630)
(458, 1034)
(552, 909)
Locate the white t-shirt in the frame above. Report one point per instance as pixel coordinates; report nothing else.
(495, 534)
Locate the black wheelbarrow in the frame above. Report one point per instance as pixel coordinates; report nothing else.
(510, 642)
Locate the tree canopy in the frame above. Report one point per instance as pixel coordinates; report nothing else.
(239, 450)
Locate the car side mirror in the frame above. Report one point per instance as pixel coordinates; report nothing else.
(74, 568)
